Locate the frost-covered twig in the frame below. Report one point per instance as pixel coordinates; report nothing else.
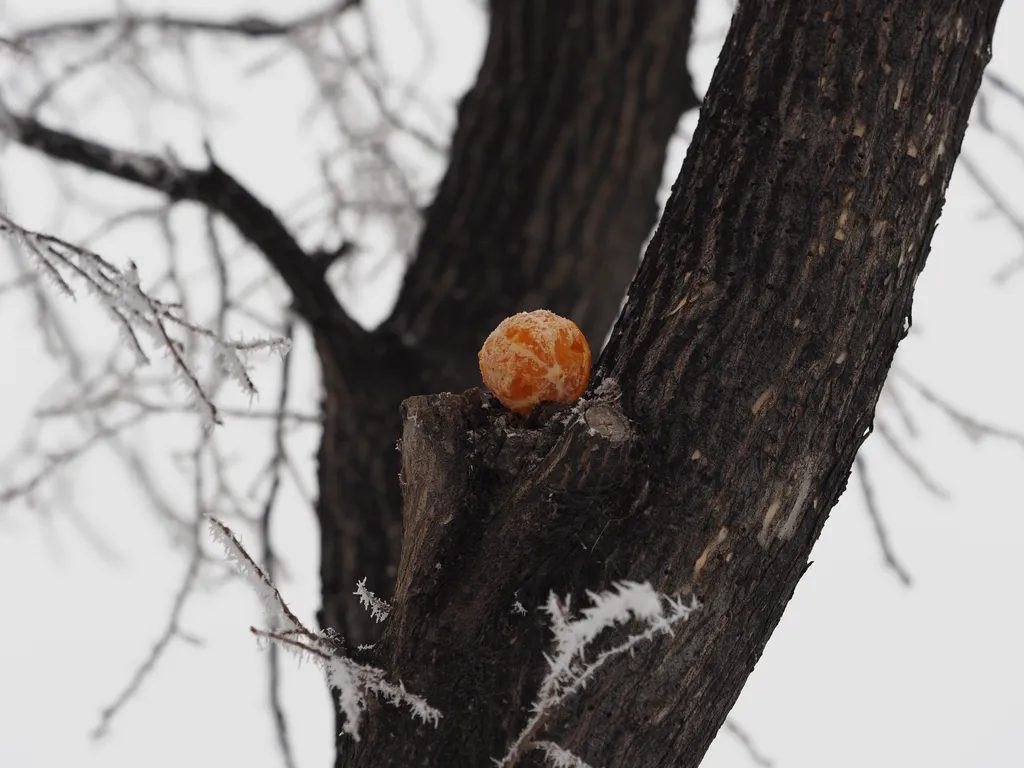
(352, 680)
(379, 609)
(138, 314)
(568, 671)
(278, 612)
(558, 757)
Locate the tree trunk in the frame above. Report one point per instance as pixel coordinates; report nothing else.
(548, 197)
(738, 384)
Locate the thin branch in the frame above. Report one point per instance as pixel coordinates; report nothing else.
(1005, 86)
(916, 469)
(1001, 205)
(747, 742)
(270, 557)
(972, 427)
(894, 396)
(314, 300)
(249, 26)
(568, 673)
(106, 399)
(21, 281)
(352, 680)
(53, 462)
(173, 628)
(871, 501)
(136, 312)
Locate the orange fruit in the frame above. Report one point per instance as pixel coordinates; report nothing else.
(535, 356)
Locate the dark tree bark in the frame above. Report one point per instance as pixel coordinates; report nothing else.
(549, 194)
(738, 384)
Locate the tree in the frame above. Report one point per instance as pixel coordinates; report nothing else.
(728, 406)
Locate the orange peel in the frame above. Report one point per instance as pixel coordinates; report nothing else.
(534, 357)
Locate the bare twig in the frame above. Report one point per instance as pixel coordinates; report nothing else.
(747, 742)
(57, 460)
(871, 503)
(270, 557)
(314, 300)
(972, 427)
(892, 393)
(1002, 206)
(173, 628)
(171, 631)
(1005, 86)
(242, 26)
(916, 469)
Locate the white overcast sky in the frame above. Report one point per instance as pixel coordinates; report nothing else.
(860, 672)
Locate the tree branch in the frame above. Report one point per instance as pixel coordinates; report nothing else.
(748, 361)
(214, 187)
(242, 26)
(550, 191)
(892, 562)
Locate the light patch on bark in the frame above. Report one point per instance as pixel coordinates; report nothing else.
(662, 713)
(841, 223)
(709, 550)
(769, 515)
(788, 527)
(679, 306)
(761, 400)
(607, 421)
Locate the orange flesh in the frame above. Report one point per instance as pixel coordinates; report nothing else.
(535, 356)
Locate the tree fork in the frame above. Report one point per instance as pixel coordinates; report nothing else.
(549, 195)
(749, 358)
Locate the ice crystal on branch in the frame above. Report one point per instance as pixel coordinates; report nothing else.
(558, 757)
(352, 680)
(278, 613)
(379, 609)
(569, 670)
(136, 314)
